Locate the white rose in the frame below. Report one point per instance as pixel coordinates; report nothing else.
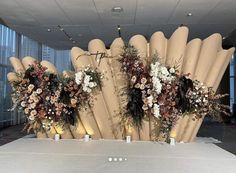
(23, 104)
(31, 118)
(89, 90)
(79, 77)
(32, 105)
(157, 111)
(92, 84)
(172, 70)
(86, 79)
(39, 91)
(150, 99)
(157, 85)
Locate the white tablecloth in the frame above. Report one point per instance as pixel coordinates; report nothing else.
(28, 155)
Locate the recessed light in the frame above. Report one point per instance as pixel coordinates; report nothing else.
(189, 14)
(117, 9)
(49, 30)
(118, 27)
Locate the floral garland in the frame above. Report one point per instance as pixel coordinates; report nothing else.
(48, 99)
(162, 93)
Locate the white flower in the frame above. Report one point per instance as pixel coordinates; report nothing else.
(31, 87)
(157, 111)
(92, 84)
(164, 71)
(164, 74)
(86, 89)
(31, 118)
(23, 104)
(154, 69)
(33, 112)
(87, 79)
(79, 77)
(32, 105)
(157, 85)
(149, 100)
(39, 91)
(172, 70)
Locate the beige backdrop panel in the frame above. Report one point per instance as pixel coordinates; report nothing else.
(213, 79)
(108, 88)
(66, 130)
(17, 65)
(158, 46)
(99, 110)
(27, 61)
(50, 67)
(77, 130)
(209, 49)
(176, 47)
(140, 43)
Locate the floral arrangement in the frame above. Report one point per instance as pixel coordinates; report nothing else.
(49, 100)
(161, 94)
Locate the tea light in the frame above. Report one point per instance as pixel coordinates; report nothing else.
(115, 159)
(172, 141)
(128, 139)
(86, 138)
(110, 159)
(57, 137)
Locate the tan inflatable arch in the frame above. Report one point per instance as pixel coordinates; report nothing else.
(205, 60)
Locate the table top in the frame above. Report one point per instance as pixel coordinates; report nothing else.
(31, 155)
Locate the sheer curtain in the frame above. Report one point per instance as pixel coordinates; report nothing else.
(60, 58)
(48, 54)
(7, 49)
(13, 44)
(232, 84)
(29, 47)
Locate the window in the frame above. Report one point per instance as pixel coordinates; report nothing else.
(48, 54)
(232, 83)
(13, 44)
(60, 58)
(7, 49)
(29, 47)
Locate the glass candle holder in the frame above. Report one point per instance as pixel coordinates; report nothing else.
(86, 138)
(128, 139)
(57, 137)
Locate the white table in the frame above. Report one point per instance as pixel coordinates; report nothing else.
(30, 155)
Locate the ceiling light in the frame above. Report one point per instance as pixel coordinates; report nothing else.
(49, 30)
(117, 9)
(189, 14)
(118, 27)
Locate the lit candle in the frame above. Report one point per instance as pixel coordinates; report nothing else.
(86, 138)
(172, 138)
(172, 141)
(57, 137)
(128, 139)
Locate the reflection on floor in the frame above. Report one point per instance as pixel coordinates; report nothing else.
(11, 133)
(223, 132)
